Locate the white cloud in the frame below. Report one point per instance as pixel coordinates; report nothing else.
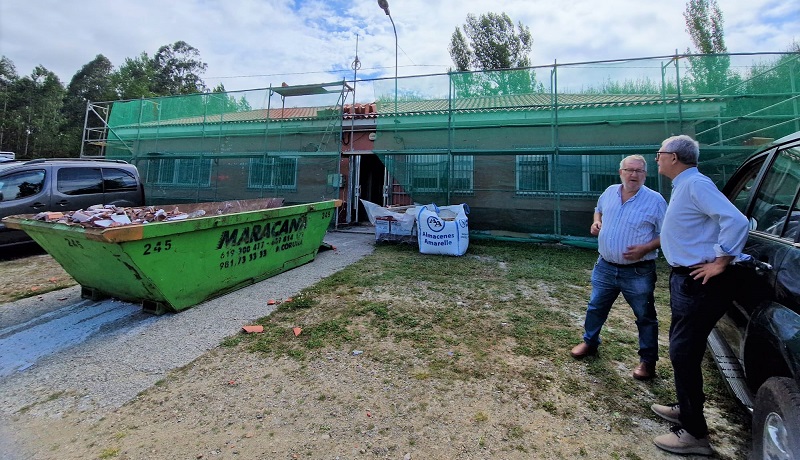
(298, 41)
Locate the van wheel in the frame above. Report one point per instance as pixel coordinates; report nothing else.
(776, 421)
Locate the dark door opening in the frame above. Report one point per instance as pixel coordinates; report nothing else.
(371, 181)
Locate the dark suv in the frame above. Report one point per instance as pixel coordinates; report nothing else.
(30, 187)
(757, 343)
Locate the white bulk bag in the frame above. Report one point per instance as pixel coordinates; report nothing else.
(443, 230)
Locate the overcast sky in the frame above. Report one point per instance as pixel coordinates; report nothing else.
(258, 43)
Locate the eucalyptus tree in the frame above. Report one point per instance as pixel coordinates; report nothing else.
(134, 78)
(39, 99)
(90, 84)
(8, 75)
(177, 69)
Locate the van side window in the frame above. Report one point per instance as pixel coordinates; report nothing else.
(741, 195)
(115, 180)
(776, 207)
(21, 185)
(79, 181)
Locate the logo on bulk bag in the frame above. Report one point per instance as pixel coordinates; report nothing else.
(435, 224)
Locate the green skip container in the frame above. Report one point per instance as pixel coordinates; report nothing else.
(173, 265)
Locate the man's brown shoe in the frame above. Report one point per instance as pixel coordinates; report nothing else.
(644, 371)
(583, 350)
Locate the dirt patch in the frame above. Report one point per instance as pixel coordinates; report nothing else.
(230, 404)
(32, 275)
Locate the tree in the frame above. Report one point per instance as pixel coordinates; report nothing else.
(8, 75)
(36, 117)
(91, 83)
(489, 43)
(134, 78)
(220, 101)
(494, 43)
(177, 70)
(704, 23)
(31, 108)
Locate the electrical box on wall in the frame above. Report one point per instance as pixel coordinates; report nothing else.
(336, 180)
(372, 136)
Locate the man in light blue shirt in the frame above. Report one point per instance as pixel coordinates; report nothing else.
(627, 220)
(703, 233)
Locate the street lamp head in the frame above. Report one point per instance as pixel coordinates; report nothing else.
(384, 4)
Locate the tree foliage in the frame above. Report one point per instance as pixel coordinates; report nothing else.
(704, 23)
(42, 118)
(8, 75)
(217, 103)
(177, 70)
(493, 44)
(91, 83)
(133, 79)
(32, 116)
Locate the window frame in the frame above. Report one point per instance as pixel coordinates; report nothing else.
(770, 184)
(172, 178)
(604, 171)
(436, 167)
(253, 179)
(66, 176)
(518, 173)
(31, 172)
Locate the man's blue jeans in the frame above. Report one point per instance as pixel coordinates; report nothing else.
(636, 285)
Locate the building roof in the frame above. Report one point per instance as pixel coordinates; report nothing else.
(484, 104)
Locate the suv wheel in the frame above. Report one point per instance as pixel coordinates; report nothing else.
(775, 416)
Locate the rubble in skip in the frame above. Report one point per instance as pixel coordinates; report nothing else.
(105, 216)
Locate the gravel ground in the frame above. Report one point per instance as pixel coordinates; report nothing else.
(110, 365)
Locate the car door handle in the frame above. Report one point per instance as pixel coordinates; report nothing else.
(62, 203)
(38, 205)
(759, 266)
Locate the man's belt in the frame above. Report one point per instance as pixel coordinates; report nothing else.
(682, 270)
(641, 263)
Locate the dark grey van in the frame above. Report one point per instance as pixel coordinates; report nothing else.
(30, 187)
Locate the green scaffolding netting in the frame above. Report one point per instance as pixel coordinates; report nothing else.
(531, 150)
(528, 150)
(228, 146)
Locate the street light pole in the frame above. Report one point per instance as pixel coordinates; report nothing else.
(384, 4)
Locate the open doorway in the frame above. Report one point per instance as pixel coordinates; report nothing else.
(370, 182)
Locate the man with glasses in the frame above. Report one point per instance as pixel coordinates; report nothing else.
(627, 221)
(703, 233)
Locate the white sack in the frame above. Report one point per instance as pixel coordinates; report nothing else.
(443, 230)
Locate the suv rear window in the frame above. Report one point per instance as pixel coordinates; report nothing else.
(116, 180)
(79, 181)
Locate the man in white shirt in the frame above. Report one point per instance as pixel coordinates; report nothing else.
(703, 233)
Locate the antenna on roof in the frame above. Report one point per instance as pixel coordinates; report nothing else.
(355, 66)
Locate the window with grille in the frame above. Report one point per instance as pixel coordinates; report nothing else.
(429, 173)
(533, 174)
(600, 172)
(179, 171)
(273, 172)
